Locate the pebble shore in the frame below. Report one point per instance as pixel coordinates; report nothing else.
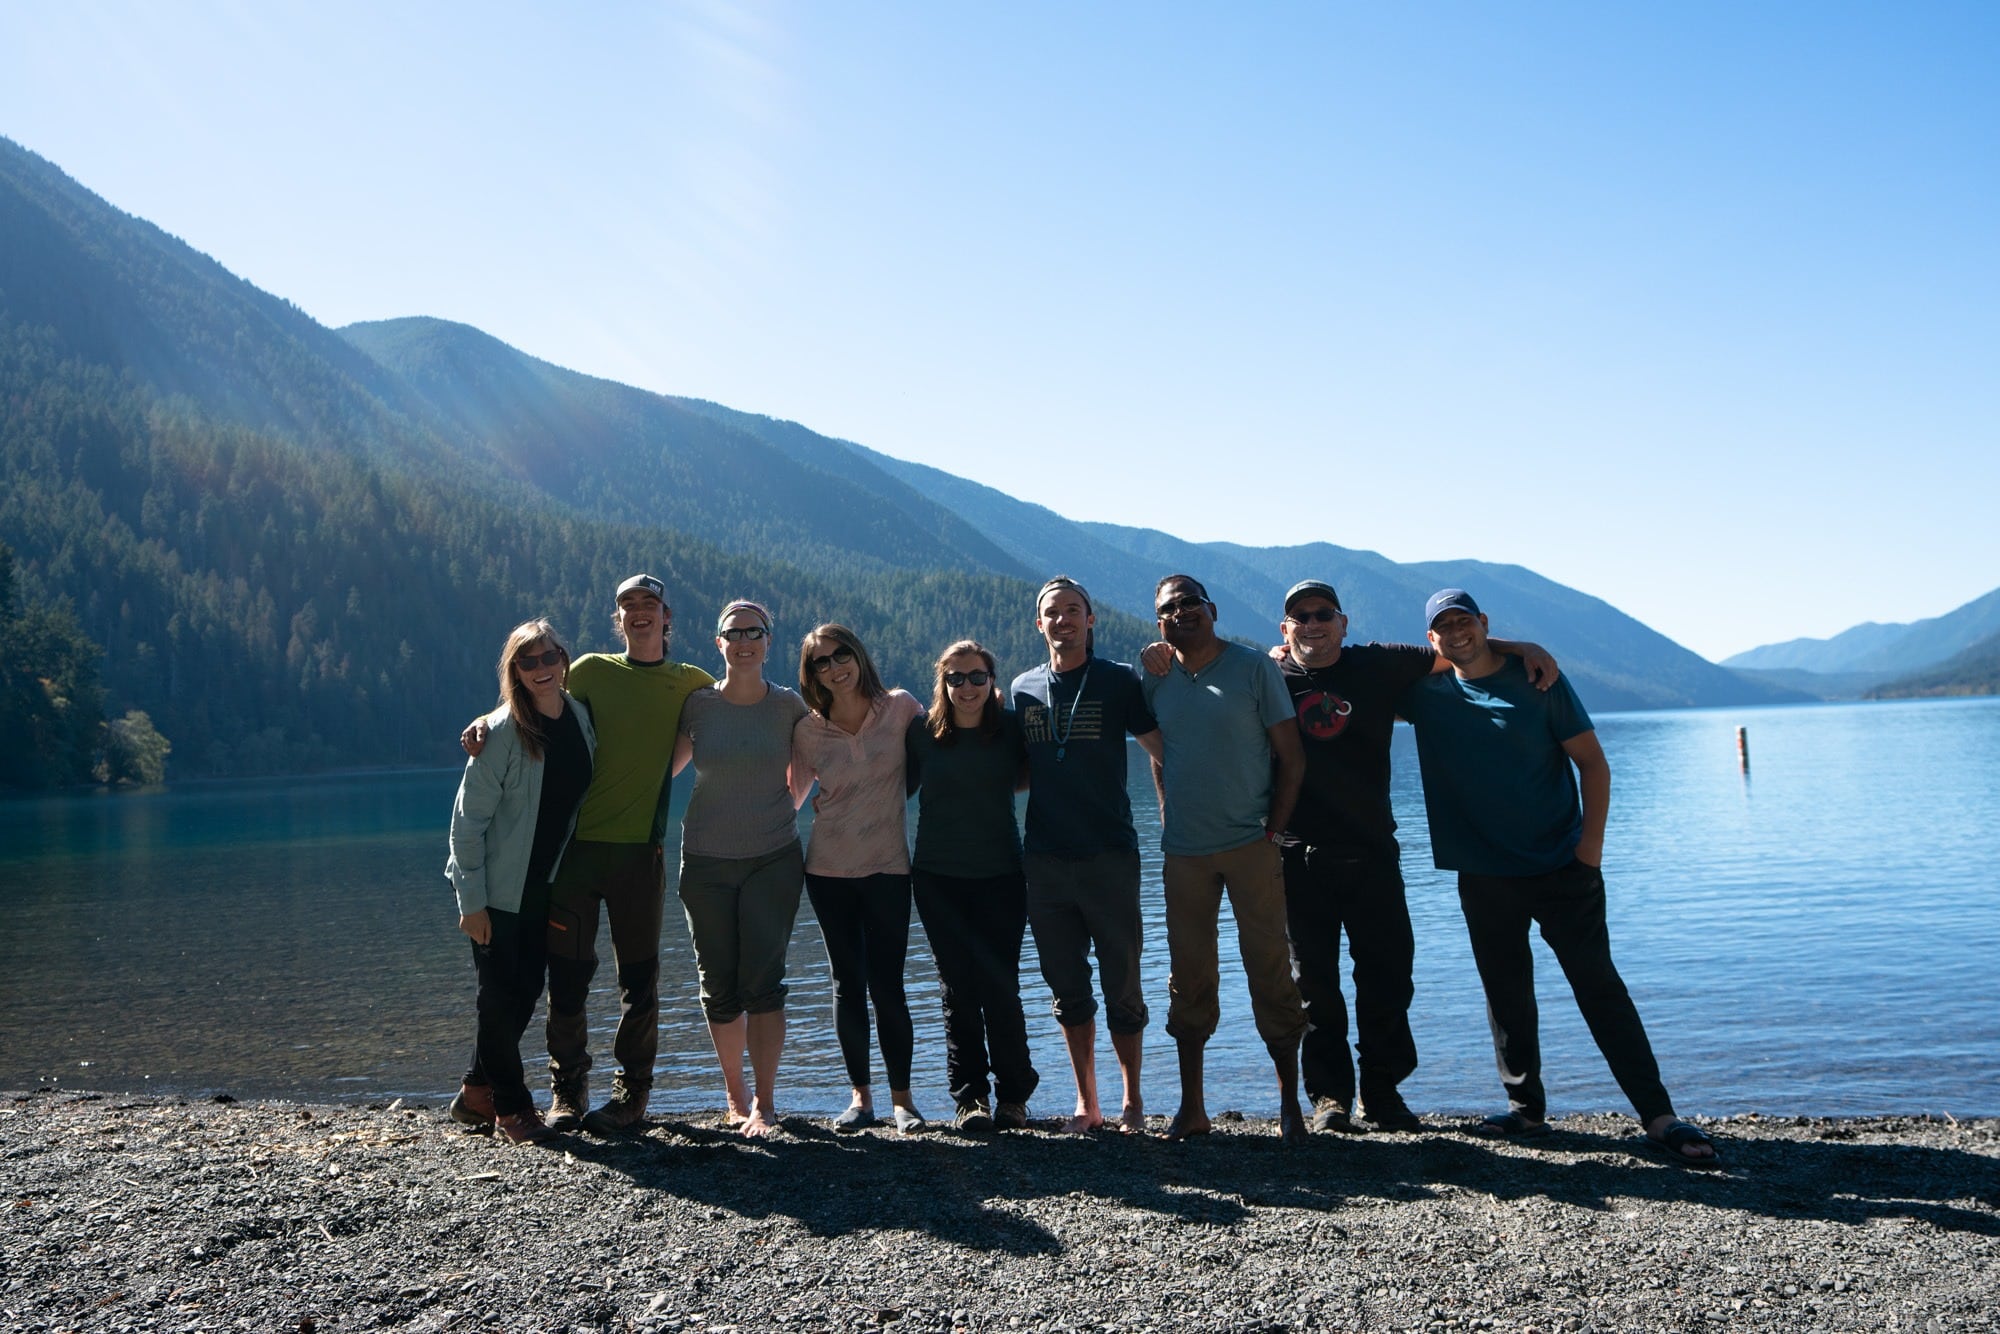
(150, 1213)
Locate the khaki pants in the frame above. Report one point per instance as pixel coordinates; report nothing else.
(1253, 875)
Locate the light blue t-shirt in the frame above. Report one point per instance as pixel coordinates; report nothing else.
(1498, 786)
(1215, 724)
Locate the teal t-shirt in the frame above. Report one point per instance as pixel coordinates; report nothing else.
(1216, 725)
(1498, 787)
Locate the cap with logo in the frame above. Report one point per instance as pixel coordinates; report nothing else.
(1311, 588)
(1448, 599)
(643, 583)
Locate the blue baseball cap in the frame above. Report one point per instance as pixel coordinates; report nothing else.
(1448, 599)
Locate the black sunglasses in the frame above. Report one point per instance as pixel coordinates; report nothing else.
(736, 634)
(1301, 617)
(840, 656)
(957, 679)
(527, 662)
(1180, 606)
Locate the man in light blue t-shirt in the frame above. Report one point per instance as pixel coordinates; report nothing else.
(1228, 780)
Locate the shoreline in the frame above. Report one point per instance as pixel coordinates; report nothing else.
(156, 1212)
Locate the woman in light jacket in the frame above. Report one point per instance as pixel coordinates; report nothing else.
(515, 812)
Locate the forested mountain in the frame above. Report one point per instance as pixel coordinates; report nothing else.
(1974, 670)
(1882, 652)
(1616, 662)
(295, 548)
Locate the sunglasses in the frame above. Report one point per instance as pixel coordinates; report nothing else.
(1301, 617)
(957, 679)
(1181, 606)
(737, 634)
(839, 657)
(528, 662)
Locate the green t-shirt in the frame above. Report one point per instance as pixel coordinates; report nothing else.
(636, 710)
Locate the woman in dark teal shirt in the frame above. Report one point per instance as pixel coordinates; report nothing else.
(966, 759)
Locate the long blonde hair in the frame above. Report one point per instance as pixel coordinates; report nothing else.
(939, 722)
(520, 700)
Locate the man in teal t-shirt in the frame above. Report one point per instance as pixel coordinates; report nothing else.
(1228, 780)
(1505, 813)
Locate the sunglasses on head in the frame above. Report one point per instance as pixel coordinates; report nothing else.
(839, 657)
(528, 662)
(1318, 614)
(957, 679)
(738, 633)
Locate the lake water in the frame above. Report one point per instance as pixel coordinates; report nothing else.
(1816, 937)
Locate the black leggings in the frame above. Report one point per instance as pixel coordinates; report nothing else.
(511, 967)
(866, 924)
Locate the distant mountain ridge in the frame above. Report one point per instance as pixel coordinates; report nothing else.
(299, 547)
(1882, 651)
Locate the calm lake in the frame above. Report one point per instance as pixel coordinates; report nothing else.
(1815, 937)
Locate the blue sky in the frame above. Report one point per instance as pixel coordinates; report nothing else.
(1693, 307)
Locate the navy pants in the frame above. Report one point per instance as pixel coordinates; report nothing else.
(1568, 905)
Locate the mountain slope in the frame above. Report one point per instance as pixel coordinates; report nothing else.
(1974, 670)
(1883, 650)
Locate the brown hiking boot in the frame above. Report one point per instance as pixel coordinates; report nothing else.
(473, 1106)
(625, 1112)
(523, 1127)
(569, 1102)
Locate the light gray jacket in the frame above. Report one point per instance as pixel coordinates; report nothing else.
(493, 820)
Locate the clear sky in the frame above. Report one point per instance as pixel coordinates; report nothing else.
(1694, 307)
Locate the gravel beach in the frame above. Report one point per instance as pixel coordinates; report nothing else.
(148, 1213)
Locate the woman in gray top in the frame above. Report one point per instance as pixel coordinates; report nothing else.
(967, 759)
(741, 864)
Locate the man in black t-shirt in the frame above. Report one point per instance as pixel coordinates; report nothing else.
(1342, 862)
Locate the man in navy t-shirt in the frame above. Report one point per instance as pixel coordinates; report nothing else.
(1503, 801)
(1080, 851)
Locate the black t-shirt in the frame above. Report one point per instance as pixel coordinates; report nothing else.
(965, 813)
(1346, 715)
(565, 775)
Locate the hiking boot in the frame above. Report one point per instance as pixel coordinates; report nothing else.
(523, 1127)
(569, 1102)
(625, 1112)
(1330, 1117)
(1387, 1111)
(974, 1117)
(473, 1106)
(1011, 1116)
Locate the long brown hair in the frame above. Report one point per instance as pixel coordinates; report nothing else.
(817, 696)
(940, 722)
(520, 700)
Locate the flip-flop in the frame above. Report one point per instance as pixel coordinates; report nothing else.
(1679, 1137)
(1508, 1125)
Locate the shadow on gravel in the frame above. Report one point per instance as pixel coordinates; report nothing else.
(963, 1189)
(1949, 1189)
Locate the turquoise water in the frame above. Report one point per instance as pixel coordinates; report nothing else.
(1815, 937)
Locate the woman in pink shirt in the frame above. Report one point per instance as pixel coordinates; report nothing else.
(858, 858)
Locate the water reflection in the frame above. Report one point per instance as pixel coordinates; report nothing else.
(1816, 944)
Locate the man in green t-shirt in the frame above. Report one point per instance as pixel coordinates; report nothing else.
(615, 859)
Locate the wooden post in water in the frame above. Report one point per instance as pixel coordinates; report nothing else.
(1743, 748)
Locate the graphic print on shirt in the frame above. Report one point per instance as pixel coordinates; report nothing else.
(1088, 724)
(1323, 714)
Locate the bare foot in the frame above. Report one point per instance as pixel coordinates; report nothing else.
(1133, 1119)
(732, 1118)
(1291, 1123)
(1085, 1121)
(757, 1125)
(1187, 1124)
